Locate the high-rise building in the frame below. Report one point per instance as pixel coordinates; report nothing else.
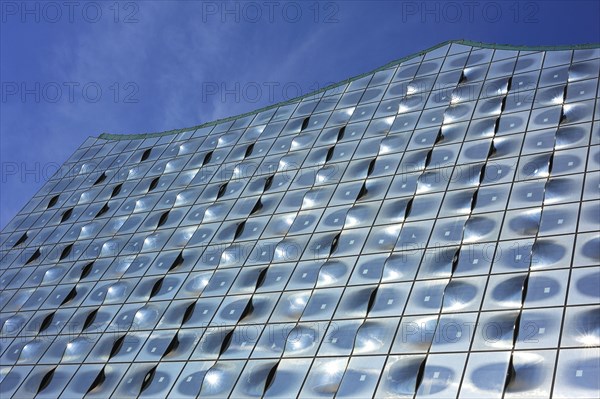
(429, 229)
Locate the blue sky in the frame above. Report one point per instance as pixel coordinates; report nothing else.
(70, 70)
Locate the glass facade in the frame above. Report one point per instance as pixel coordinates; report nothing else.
(428, 230)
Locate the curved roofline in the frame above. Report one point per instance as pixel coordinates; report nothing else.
(110, 136)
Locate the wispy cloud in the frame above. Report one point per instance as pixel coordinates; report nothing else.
(173, 50)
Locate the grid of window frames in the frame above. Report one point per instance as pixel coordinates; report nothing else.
(428, 230)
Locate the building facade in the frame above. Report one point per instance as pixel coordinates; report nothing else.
(426, 230)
